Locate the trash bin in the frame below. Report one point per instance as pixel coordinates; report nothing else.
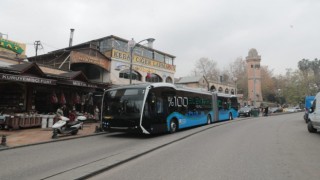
(44, 122)
(255, 112)
(50, 121)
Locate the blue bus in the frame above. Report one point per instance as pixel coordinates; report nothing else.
(163, 107)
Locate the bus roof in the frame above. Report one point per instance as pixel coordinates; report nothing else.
(180, 88)
(145, 85)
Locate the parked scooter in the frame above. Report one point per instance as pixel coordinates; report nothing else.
(81, 118)
(63, 126)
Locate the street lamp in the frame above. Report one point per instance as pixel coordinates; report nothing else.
(132, 44)
(235, 83)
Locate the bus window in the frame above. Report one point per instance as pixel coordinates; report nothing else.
(159, 105)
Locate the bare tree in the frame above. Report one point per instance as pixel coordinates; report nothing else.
(238, 73)
(207, 68)
(238, 68)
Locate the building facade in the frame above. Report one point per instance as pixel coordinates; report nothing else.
(107, 60)
(200, 82)
(32, 87)
(148, 64)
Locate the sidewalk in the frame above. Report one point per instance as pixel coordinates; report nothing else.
(38, 135)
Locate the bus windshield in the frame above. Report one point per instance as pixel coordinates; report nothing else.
(123, 102)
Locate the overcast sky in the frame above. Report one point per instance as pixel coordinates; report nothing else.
(282, 31)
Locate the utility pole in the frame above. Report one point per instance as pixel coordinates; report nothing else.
(36, 46)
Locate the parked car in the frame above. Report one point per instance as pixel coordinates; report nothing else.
(245, 111)
(275, 109)
(293, 109)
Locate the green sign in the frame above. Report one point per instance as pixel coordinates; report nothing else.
(12, 46)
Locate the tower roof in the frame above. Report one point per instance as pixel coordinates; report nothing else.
(253, 55)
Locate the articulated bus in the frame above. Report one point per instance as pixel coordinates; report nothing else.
(163, 107)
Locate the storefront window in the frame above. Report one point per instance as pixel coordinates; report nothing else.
(153, 78)
(168, 80)
(168, 60)
(159, 57)
(143, 52)
(12, 97)
(105, 45)
(213, 88)
(120, 45)
(125, 74)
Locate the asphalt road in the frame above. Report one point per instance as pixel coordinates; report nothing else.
(277, 147)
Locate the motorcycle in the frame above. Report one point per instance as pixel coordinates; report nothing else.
(63, 126)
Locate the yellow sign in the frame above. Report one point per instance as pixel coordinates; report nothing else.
(142, 60)
(143, 69)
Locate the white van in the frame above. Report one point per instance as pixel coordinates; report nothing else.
(314, 115)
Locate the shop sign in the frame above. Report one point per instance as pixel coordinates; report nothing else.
(142, 60)
(28, 79)
(78, 83)
(143, 69)
(78, 57)
(12, 46)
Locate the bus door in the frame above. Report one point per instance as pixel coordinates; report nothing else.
(215, 107)
(155, 107)
(223, 108)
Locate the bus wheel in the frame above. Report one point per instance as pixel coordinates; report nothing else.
(311, 129)
(173, 126)
(230, 116)
(209, 119)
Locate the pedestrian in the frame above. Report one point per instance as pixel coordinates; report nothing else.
(266, 111)
(72, 115)
(59, 111)
(96, 113)
(65, 110)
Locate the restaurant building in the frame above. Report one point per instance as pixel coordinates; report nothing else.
(107, 60)
(76, 74)
(148, 64)
(30, 87)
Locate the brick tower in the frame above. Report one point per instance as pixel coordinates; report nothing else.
(254, 78)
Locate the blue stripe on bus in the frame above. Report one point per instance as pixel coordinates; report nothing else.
(188, 120)
(195, 118)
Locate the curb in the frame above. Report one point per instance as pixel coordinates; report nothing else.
(3, 148)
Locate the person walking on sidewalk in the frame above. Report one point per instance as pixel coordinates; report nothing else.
(96, 113)
(266, 111)
(60, 111)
